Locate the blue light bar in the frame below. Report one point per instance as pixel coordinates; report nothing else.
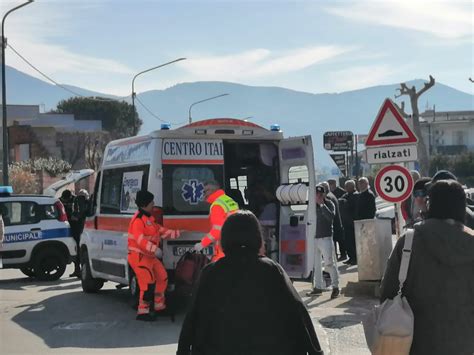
(275, 127)
(6, 190)
(166, 126)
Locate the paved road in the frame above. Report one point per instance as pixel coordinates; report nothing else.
(58, 318)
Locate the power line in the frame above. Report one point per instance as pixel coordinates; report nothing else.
(56, 83)
(155, 116)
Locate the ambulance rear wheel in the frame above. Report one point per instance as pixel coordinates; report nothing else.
(88, 283)
(134, 290)
(28, 271)
(49, 265)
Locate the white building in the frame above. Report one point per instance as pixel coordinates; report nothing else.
(448, 133)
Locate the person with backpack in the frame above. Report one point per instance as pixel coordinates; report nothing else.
(245, 303)
(439, 286)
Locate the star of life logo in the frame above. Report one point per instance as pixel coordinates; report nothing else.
(193, 191)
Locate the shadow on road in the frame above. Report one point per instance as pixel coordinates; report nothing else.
(102, 320)
(22, 283)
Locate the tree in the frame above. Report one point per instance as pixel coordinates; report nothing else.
(414, 96)
(95, 146)
(119, 118)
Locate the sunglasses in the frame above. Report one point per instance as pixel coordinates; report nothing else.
(419, 193)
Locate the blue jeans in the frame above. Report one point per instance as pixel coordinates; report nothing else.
(324, 249)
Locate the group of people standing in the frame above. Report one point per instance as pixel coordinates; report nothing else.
(336, 211)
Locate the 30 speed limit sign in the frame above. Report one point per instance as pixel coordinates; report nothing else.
(394, 183)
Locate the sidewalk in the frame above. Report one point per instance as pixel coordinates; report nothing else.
(338, 322)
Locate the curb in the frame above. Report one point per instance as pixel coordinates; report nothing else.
(322, 336)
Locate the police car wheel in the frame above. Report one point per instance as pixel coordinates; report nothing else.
(134, 290)
(49, 265)
(28, 271)
(88, 283)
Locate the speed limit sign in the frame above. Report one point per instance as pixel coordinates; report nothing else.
(394, 183)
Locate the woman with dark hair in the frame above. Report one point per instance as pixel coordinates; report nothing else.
(440, 281)
(245, 303)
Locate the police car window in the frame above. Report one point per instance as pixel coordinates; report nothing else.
(16, 213)
(183, 190)
(118, 194)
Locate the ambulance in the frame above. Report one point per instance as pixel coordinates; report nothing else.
(262, 171)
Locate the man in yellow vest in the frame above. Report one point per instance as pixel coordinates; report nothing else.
(222, 206)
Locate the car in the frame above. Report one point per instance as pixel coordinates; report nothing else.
(37, 236)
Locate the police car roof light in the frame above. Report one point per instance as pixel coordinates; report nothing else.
(275, 127)
(166, 126)
(6, 190)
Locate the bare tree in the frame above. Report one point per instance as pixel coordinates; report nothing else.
(472, 81)
(414, 96)
(72, 146)
(95, 145)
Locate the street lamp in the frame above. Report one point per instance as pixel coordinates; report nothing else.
(198, 102)
(4, 96)
(145, 71)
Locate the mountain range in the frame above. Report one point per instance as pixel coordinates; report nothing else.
(298, 113)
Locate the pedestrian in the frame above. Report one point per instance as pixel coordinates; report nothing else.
(336, 190)
(447, 175)
(245, 303)
(406, 206)
(67, 199)
(348, 207)
(338, 229)
(79, 214)
(419, 205)
(440, 283)
(144, 252)
(222, 206)
(366, 200)
(324, 247)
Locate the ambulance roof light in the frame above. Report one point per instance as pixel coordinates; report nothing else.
(6, 190)
(166, 126)
(275, 127)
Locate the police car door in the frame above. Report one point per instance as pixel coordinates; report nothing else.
(297, 206)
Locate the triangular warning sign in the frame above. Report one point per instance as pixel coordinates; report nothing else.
(390, 128)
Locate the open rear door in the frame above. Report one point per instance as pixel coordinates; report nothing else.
(297, 216)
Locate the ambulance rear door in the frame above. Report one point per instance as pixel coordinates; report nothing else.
(297, 206)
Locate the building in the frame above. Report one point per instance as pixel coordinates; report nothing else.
(40, 135)
(448, 132)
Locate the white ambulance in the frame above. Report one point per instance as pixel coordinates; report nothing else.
(262, 171)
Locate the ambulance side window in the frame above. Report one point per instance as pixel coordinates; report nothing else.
(119, 188)
(183, 188)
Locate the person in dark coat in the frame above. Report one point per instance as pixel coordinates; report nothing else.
(336, 190)
(440, 282)
(245, 303)
(348, 207)
(366, 200)
(447, 175)
(338, 229)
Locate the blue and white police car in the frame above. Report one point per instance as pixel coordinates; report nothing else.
(37, 237)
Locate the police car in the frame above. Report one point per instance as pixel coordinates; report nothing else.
(37, 237)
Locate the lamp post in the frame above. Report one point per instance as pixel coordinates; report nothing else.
(4, 96)
(146, 71)
(198, 102)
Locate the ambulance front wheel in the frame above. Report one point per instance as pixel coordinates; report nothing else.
(88, 283)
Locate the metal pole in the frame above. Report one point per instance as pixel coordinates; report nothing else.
(146, 71)
(198, 102)
(4, 97)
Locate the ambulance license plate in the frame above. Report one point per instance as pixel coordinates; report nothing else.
(181, 250)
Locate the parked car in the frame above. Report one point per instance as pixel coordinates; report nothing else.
(37, 237)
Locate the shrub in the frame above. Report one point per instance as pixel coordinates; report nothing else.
(53, 166)
(23, 181)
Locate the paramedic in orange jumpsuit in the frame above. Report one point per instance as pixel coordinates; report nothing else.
(222, 206)
(144, 237)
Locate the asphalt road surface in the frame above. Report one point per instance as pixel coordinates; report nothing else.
(58, 318)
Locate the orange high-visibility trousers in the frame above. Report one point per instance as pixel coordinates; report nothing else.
(152, 280)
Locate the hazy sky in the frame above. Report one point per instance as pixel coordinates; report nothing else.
(314, 46)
